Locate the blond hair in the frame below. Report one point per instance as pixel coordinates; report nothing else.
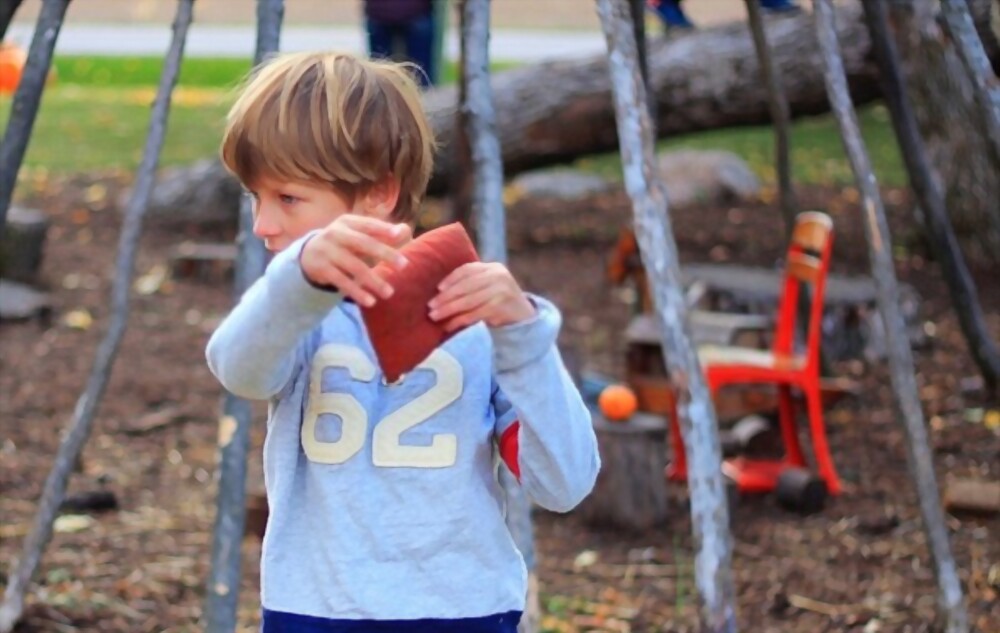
(332, 119)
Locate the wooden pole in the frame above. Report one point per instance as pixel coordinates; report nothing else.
(780, 117)
(709, 509)
(7, 10)
(937, 225)
(222, 591)
(27, 98)
(491, 232)
(461, 178)
(86, 406)
(921, 462)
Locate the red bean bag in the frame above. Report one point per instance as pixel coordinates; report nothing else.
(400, 329)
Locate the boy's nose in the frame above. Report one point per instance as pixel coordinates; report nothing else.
(265, 225)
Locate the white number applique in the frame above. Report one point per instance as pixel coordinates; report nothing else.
(387, 450)
(353, 417)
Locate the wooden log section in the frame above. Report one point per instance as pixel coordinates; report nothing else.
(630, 492)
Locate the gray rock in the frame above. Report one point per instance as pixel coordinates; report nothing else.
(695, 176)
(200, 193)
(561, 183)
(19, 302)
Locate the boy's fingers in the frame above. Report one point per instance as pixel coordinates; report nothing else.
(457, 275)
(464, 286)
(362, 274)
(387, 232)
(466, 318)
(374, 250)
(461, 305)
(350, 288)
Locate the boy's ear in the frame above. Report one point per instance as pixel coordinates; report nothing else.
(380, 199)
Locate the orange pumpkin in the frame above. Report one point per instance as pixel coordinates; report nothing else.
(12, 60)
(617, 402)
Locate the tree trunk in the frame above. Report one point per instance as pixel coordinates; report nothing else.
(658, 249)
(952, 123)
(921, 462)
(630, 492)
(553, 112)
(940, 234)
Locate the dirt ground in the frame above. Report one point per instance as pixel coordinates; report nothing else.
(859, 565)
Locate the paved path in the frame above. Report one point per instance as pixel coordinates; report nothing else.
(238, 41)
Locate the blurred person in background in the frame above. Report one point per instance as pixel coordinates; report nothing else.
(403, 30)
(673, 17)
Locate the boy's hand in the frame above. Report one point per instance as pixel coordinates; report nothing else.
(480, 291)
(344, 253)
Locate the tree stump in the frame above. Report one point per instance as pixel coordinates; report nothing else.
(630, 492)
(22, 245)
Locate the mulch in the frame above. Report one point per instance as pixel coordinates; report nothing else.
(861, 564)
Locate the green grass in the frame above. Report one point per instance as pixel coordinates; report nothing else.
(145, 71)
(202, 72)
(95, 117)
(817, 152)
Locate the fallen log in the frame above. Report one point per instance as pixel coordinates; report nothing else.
(553, 112)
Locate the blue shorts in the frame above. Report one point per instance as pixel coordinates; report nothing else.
(278, 622)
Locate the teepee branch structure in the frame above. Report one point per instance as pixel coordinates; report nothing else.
(86, 407)
(222, 591)
(479, 116)
(921, 462)
(27, 98)
(695, 410)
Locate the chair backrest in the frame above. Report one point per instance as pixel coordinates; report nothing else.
(807, 262)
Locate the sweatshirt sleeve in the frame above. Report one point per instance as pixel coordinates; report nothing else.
(253, 352)
(557, 455)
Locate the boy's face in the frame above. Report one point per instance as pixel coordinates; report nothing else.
(285, 211)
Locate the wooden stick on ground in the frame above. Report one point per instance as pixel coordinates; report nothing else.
(921, 462)
(83, 415)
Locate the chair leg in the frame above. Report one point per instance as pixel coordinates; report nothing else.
(789, 435)
(824, 461)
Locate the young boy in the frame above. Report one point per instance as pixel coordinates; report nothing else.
(385, 511)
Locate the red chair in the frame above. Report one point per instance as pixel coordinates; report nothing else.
(783, 366)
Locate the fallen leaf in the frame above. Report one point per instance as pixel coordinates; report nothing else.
(584, 559)
(73, 523)
(152, 281)
(79, 319)
(992, 420)
(95, 193)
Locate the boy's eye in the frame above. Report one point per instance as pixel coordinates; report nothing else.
(287, 199)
